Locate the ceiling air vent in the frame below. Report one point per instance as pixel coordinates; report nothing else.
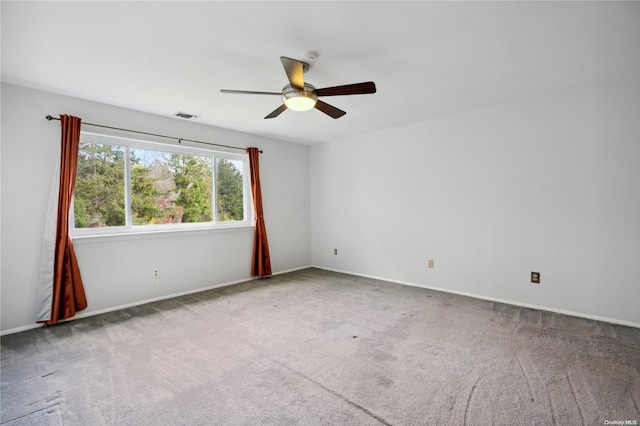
(186, 115)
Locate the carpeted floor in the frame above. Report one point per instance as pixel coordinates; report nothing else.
(314, 347)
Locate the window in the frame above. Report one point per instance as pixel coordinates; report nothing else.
(125, 185)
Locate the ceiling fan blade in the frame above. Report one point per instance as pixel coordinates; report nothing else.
(250, 92)
(276, 112)
(295, 72)
(329, 109)
(348, 89)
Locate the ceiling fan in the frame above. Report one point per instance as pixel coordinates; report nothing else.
(301, 96)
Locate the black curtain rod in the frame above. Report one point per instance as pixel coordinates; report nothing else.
(49, 117)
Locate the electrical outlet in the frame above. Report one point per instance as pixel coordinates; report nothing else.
(335, 251)
(430, 263)
(535, 277)
(156, 273)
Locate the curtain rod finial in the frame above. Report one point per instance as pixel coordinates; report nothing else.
(48, 117)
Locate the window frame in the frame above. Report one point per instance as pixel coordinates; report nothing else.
(129, 228)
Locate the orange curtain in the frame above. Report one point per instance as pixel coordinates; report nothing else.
(261, 263)
(68, 291)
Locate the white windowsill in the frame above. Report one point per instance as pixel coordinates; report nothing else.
(155, 233)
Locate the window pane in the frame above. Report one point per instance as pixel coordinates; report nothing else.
(99, 191)
(229, 190)
(134, 184)
(170, 188)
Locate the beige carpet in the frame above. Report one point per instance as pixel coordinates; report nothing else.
(319, 348)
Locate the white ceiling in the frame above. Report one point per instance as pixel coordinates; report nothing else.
(427, 59)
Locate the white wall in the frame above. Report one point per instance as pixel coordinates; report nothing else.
(117, 271)
(548, 184)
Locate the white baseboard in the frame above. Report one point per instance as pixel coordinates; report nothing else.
(143, 302)
(292, 270)
(491, 299)
(19, 329)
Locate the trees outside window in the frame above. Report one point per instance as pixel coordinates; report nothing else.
(130, 185)
(99, 193)
(230, 190)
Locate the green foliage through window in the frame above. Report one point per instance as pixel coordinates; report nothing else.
(99, 193)
(230, 200)
(164, 187)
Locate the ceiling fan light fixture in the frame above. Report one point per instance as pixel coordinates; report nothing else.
(300, 103)
(300, 100)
